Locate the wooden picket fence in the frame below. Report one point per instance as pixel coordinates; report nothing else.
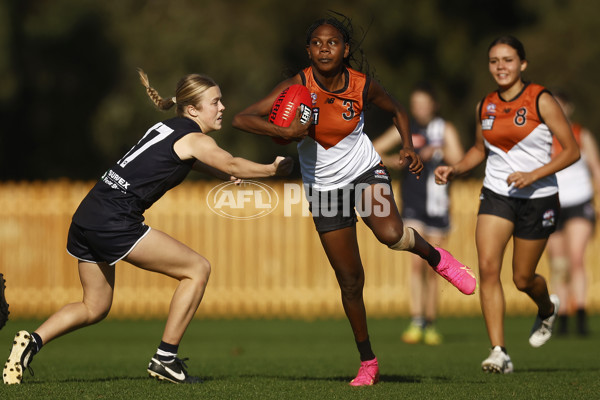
(272, 266)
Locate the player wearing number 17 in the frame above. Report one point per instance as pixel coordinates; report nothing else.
(109, 225)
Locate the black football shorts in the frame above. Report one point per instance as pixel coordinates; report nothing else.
(103, 246)
(533, 218)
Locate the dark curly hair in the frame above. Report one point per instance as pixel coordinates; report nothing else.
(356, 58)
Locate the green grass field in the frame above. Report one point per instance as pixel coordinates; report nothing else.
(287, 359)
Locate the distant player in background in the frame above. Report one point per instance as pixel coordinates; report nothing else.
(108, 225)
(519, 198)
(567, 246)
(425, 205)
(341, 170)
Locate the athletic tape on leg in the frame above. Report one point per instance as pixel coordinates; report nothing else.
(407, 241)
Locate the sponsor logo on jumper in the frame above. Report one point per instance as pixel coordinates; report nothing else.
(305, 113)
(491, 108)
(114, 180)
(488, 123)
(315, 113)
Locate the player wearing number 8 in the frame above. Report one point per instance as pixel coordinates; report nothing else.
(109, 225)
(519, 198)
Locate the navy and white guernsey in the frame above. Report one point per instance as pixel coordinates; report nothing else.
(138, 180)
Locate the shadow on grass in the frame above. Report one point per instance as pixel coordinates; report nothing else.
(520, 370)
(90, 380)
(382, 378)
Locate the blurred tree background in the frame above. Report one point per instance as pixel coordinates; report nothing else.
(71, 103)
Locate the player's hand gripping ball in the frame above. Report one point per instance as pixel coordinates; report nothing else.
(284, 108)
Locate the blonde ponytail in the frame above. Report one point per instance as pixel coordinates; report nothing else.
(162, 104)
(189, 91)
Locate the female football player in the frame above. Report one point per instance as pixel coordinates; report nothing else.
(567, 246)
(109, 225)
(519, 198)
(341, 170)
(425, 205)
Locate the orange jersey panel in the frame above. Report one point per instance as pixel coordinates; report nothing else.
(336, 114)
(557, 148)
(506, 123)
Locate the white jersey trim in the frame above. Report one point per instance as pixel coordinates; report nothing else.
(530, 153)
(329, 169)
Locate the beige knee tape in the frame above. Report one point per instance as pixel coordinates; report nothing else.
(559, 267)
(407, 241)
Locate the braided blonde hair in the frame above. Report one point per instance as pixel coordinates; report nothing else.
(189, 91)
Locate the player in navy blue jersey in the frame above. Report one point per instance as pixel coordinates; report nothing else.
(108, 225)
(425, 205)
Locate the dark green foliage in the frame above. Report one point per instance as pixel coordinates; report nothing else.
(71, 103)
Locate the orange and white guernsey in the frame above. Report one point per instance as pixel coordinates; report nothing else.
(517, 140)
(336, 151)
(574, 182)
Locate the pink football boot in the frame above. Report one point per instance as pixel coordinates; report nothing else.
(368, 374)
(454, 272)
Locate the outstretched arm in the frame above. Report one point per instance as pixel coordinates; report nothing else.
(206, 151)
(199, 166)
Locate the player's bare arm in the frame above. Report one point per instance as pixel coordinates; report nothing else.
(204, 149)
(382, 99)
(252, 119)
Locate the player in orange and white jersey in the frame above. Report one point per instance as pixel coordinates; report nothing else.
(567, 246)
(519, 198)
(343, 173)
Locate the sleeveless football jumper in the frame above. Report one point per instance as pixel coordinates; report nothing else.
(114, 207)
(517, 140)
(336, 150)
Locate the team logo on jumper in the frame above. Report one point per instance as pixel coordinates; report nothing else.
(488, 123)
(548, 219)
(248, 200)
(491, 108)
(313, 97)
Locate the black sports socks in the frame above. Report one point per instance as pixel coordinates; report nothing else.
(167, 352)
(433, 257)
(364, 348)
